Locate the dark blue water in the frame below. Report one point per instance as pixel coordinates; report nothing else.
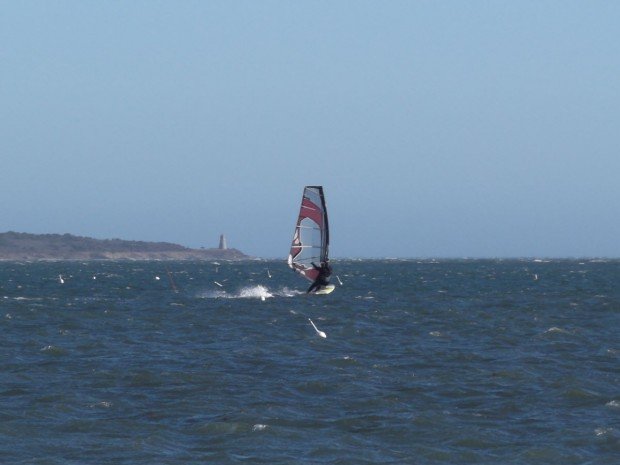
(455, 362)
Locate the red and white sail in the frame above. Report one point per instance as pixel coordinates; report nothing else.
(311, 238)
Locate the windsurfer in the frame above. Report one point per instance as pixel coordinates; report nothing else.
(322, 279)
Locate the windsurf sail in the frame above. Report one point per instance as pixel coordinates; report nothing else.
(311, 238)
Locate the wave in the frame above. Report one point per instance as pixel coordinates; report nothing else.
(555, 329)
(604, 431)
(54, 350)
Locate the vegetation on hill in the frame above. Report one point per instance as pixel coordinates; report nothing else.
(24, 246)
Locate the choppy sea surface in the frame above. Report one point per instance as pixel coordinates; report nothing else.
(424, 362)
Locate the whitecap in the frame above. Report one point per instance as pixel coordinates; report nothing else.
(212, 294)
(603, 431)
(613, 404)
(102, 404)
(555, 329)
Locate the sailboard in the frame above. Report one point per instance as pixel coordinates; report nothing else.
(325, 289)
(311, 237)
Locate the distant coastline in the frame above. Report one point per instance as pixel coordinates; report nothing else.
(25, 246)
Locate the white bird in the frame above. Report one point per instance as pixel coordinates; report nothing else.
(320, 333)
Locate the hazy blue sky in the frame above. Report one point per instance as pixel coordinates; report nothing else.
(438, 128)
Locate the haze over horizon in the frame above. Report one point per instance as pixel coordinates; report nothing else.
(438, 129)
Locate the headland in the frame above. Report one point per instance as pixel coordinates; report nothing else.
(25, 246)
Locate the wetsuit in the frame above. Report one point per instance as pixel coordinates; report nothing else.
(322, 279)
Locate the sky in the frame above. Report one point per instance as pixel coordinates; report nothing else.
(437, 128)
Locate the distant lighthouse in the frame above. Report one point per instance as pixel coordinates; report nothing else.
(222, 242)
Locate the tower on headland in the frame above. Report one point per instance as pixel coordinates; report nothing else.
(222, 242)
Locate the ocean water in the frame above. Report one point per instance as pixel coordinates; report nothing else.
(424, 362)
